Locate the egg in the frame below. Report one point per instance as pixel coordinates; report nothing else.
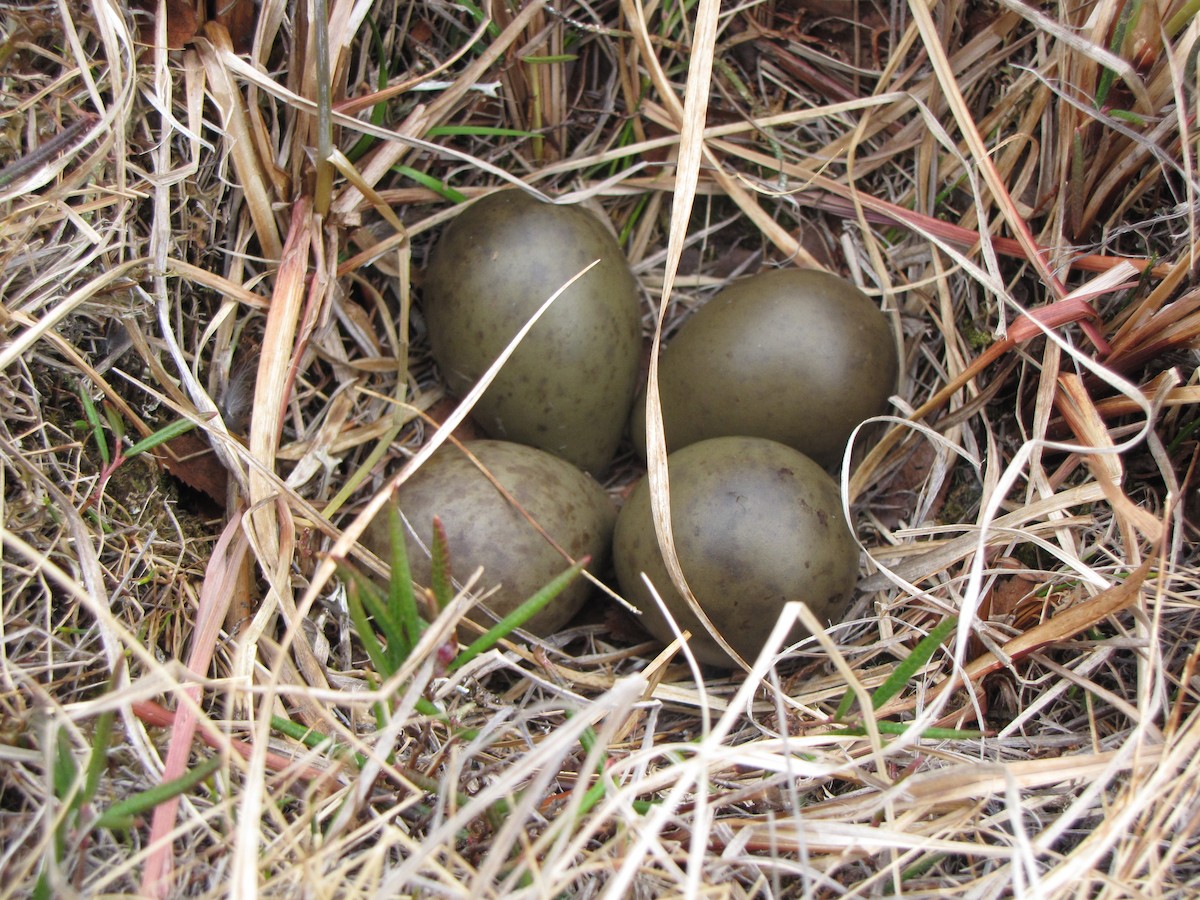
(794, 355)
(756, 524)
(485, 528)
(569, 386)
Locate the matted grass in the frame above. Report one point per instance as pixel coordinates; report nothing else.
(231, 235)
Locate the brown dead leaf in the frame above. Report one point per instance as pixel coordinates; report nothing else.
(420, 32)
(182, 23)
(899, 494)
(238, 17)
(190, 459)
(1008, 602)
(1069, 622)
(1006, 596)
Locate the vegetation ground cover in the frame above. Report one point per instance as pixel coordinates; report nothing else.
(213, 225)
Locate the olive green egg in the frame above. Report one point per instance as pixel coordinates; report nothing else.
(484, 528)
(795, 355)
(569, 386)
(756, 524)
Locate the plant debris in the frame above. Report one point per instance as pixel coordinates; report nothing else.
(225, 234)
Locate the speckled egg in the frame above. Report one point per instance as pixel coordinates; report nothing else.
(485, 528)
(756, 524)
(569, 387)
(794, 355)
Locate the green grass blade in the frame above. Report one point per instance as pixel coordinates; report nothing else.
(477, 131)
(549, 60)
(123, 813)
(519, 616)
(1132, 118)
(436, 185)
(929, 734)
(375, 605)
(440, 579)
(1129, 15)
(93, 420)
(843, 709)
(909, 666)
(914, 662)
(98, 758)
(401, 601)
(638, 209)
(1179, 21)
(313, 739)
(115, 422)
(477, 14)
(172, 431)
(382, 716)
(65, 770)
(366, 634)
(587, 740)
(917, 870)
(377, 608)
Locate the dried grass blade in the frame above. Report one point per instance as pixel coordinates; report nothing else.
(977, 781)
(425, 117)
(1069, 37)
(970, 132)
(850, 839)
(34, 330)
(270, 398)
(691, 150)
(1063, 626)
(39, 158)
(271, 381)
(231, 291)
(1086, 422)
(882, 212)
(1158, 298)
(251, 177)
(215, 594)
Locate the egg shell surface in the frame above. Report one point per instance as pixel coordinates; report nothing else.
(798, 356)
(569, 386)
(483, 528)
(756, 524)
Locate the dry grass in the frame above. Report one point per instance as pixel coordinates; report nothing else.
(183, 239)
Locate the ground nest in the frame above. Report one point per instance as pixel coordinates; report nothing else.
(215, 219)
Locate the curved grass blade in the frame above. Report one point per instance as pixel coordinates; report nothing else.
(123, 813)
(909, 666)
(434, 184)
(519, 616)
